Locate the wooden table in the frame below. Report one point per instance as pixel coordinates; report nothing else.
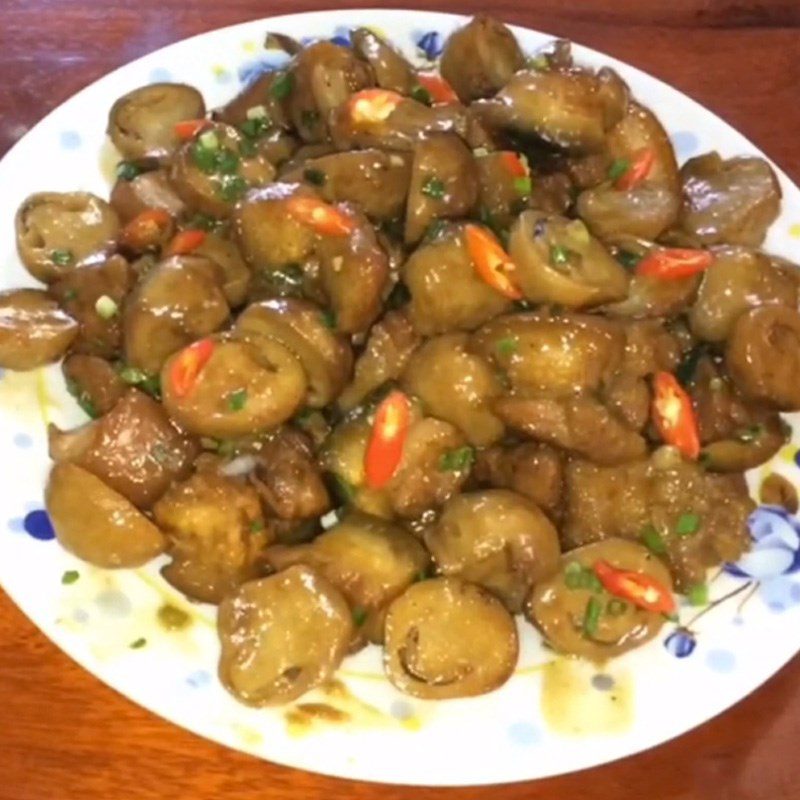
(64, 735)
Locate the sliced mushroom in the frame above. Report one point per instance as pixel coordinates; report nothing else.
(391, 69)
(455, 385)
(246, 386)
(58, 232)
(133, 449)
(444, 183)
(551, 356)
(216, 533)
(212, 171)
(446, 292)
(33, 330)
(763, 356)
(94, 296)
(446, 638)
(326, 356)
(480, 58)
(739, 279)
(559, 607)
(558, 261)
(369, 560)
(729, 201)
(497, 539)
(142, 123)
(282, 636)
(178, 301)
(96, 523)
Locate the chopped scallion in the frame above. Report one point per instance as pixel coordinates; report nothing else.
(127, 171)
(106, 307)
(433, 187)
(359, 616)
(591, 616)
(237, 400)
(618, 168)
(698, 595)
(421, 95)
(615, 607)
(559, 255)
(70, 576)
(628, 259)
(457, 460)
(523, 186)
(138, 644)
(687, 524)
(329, 319)
(282, 86)
(653, 540)
(507, 346)
(315, 176)
(62, 257)
(209, 140)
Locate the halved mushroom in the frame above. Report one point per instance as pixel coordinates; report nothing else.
(480, 58)
(96, 523)
(559, 607)
(407, 124)
(533, 470)
(581, 425)
(649, 207)
(301, 326)
(504, 188)
(446, 292)
(282, 636)
(95, 380)
(57, 232)
(375, 180)
(456, 386)
(737, 280)
(179, 300)
(729, 201)
(93, 295)
(572, 109)
(435, 464)
(268, 236)
(212, 171)
(497, 539)
(763, 356)
(353, 275)
(323, 76)
(142, 123)
(694, 519)
(391, 69)
(33, 329)
(392, 340)
(216, 532)
(246, 386)
(551, 356)
(736, 435)
(236, 275)
(288, 477)
(448, 638)
(129, 198)
(133, 449)
(558, 261)
(444, 183)
(369, 560)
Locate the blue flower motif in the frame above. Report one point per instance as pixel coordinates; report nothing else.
(254, 69)
(680, 643)
(431, 44)
(776, 546)
(341, 36)
(37, 524)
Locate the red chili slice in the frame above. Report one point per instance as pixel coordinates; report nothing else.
(188, 365)
(389, 432)
(674, 415)
(641, 590)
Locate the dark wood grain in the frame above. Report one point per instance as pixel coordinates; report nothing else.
(64, 735)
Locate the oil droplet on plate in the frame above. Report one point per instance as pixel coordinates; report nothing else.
(572, 706)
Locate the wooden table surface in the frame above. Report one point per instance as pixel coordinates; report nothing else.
(65, 735)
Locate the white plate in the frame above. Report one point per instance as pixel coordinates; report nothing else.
(513, 734)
